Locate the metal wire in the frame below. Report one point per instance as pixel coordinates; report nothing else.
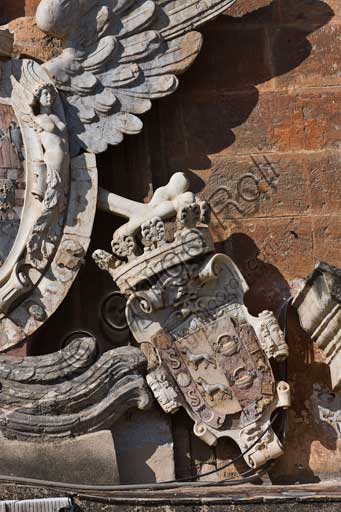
(169, 484)
(247, 476)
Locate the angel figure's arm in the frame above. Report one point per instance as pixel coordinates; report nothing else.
(164, 203)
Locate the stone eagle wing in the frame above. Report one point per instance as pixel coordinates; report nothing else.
(117, 56)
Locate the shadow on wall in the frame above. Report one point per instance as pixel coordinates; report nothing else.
(308, 430)
(251, 52)
(268, 287)
(238, 68)
(314, 419)
(10, 9)
(217, 94)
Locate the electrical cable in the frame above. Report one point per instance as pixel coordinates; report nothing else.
(283, 367)
(285, 306)
(181, 485)
(170, 484)
(231, 482)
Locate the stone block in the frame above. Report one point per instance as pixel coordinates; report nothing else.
(235, 57)
(30, 7)
(88, 459)
(306, 57)
(11, 9)
(283, 243)
(254, 11)
(324, 171)
(168, 134)
(327, 240)
(321, 118)
(144, 445)
(308, 11)
(273, 185)
(31, 42)
(243, 123)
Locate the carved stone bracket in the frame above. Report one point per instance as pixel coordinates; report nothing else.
(318, 304)
(71, 392)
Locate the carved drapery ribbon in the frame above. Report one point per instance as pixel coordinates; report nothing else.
(71, 392)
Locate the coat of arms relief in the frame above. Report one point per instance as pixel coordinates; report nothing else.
(199, 347)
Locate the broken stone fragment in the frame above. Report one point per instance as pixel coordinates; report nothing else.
(318, 305)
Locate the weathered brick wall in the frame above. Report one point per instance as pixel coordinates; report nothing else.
(257, 117)
(265, 93)
(264, 99)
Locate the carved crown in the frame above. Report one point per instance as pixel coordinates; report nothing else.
(150, 250)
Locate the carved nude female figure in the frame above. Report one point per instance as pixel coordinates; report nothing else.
(51, 129)
(54, 154)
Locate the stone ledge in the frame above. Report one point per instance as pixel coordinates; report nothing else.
(322, 497)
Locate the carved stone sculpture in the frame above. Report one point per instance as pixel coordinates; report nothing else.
(185, 307)
(53, 202)
(116, 58)
(318, 304)
(205, 352)
(70, 392)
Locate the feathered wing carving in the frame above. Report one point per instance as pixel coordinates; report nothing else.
(118, 56)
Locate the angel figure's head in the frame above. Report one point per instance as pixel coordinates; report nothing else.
(44, 96)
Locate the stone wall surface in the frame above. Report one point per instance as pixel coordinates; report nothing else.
(256, 126)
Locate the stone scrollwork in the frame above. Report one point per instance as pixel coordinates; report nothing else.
(114, 59)
(210, 355)
(185, 307)
(70, 392)
(53, 200)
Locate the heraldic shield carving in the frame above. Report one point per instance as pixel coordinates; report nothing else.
(47, 202)
(185, 307)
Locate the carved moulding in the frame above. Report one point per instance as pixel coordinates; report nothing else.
(318, 304)
(70, 392)
(56, 215)
(185, 307)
